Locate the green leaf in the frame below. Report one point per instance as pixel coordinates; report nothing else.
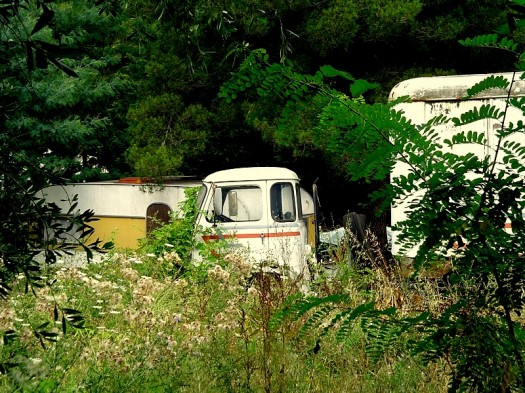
(47, 386)
(45, 18)
(489, 83)
(483, 112)
(331, 72)
(69, 71)
(361, 86)
(481, 40)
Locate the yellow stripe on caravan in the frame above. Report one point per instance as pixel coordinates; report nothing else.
(125, 232)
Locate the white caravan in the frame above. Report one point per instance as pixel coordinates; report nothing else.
(126, 210)
(443, 95)
(263, 210)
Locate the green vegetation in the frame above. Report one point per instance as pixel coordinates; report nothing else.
(179, 234)
(480, 333)
(44, 132)
(148, 331)
(95, 90)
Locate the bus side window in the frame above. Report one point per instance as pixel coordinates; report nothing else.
(282, 202)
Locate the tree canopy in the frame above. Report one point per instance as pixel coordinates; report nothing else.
(94, 90)
(57, 123)
(177, 54)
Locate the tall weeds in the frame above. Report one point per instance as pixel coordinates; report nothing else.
(148, 331)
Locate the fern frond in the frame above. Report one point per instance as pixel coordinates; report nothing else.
(437, 121)
(407, 184)
(344, 327)
(331, 72)
(350, 316)
(484, 112)
(428, 134)
(490, 41)
(518, 103)
(297, 307)
(467, 137)
(315, 320)
(518, 127)
(348, 124)
(480, 40)
(491, 82)
(514, 155)
(286, 309)
(380, 337)
(514, 148)
(400, 100)
(514, 163)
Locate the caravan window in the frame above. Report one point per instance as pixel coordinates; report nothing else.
(236, 204)
(282, 202)
(157, 215)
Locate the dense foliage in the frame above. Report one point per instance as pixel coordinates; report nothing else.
(149, 72)
(448, 192)
(60, 103)
(146, 330)
(92, 90)
(51, 122)
(177, 236)
(182, 51)
(50, 117)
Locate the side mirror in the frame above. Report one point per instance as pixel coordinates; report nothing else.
(217, 201)
(233, 207)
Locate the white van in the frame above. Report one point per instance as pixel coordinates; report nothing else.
(264, 211)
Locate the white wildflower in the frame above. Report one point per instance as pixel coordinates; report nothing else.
(252, 291)
(218, 273)
(240, 262)
(182, 283)
(172, 256)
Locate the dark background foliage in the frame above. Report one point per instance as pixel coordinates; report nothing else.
(97, 90)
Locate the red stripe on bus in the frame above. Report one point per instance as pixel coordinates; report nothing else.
(250, 235)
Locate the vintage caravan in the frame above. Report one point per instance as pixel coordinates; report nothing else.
(445, 95)
(126, 209)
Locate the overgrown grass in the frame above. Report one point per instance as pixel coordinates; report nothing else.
(146, 331)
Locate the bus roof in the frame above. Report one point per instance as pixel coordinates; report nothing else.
(251, 174)
(453, 87)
